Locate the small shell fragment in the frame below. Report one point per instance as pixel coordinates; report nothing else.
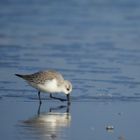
(110, 128)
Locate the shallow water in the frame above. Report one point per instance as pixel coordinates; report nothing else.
(95, 44)
(23, 120)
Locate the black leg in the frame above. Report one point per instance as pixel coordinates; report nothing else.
(57, 108)
(51, 96)
(57, 98)
(68, 108)
(39, 97)
(68, 99)
(38, 112)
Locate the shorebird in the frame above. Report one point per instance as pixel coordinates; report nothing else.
(48, 81)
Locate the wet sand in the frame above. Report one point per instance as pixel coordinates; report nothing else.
(82, 120)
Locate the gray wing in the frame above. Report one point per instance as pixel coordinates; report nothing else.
(42, 76)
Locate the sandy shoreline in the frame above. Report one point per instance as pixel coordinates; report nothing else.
(20, 119)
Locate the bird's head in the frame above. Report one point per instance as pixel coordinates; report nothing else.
(67, 87)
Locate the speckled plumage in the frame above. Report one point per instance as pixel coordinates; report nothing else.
(42, 76)
(48, 81)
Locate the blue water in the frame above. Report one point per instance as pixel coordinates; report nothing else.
(94, 43)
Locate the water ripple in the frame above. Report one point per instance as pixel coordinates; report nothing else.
(99, 55)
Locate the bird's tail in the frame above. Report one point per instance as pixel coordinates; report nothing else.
(19, 75)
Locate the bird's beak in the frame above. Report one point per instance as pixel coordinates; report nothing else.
(68, 99)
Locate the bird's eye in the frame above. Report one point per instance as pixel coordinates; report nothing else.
(68, 89)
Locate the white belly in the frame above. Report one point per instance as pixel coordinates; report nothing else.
(49, 86)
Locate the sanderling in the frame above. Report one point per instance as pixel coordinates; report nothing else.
(49, 81)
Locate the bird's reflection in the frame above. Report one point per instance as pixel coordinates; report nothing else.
(49, 125)
(58, 108)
